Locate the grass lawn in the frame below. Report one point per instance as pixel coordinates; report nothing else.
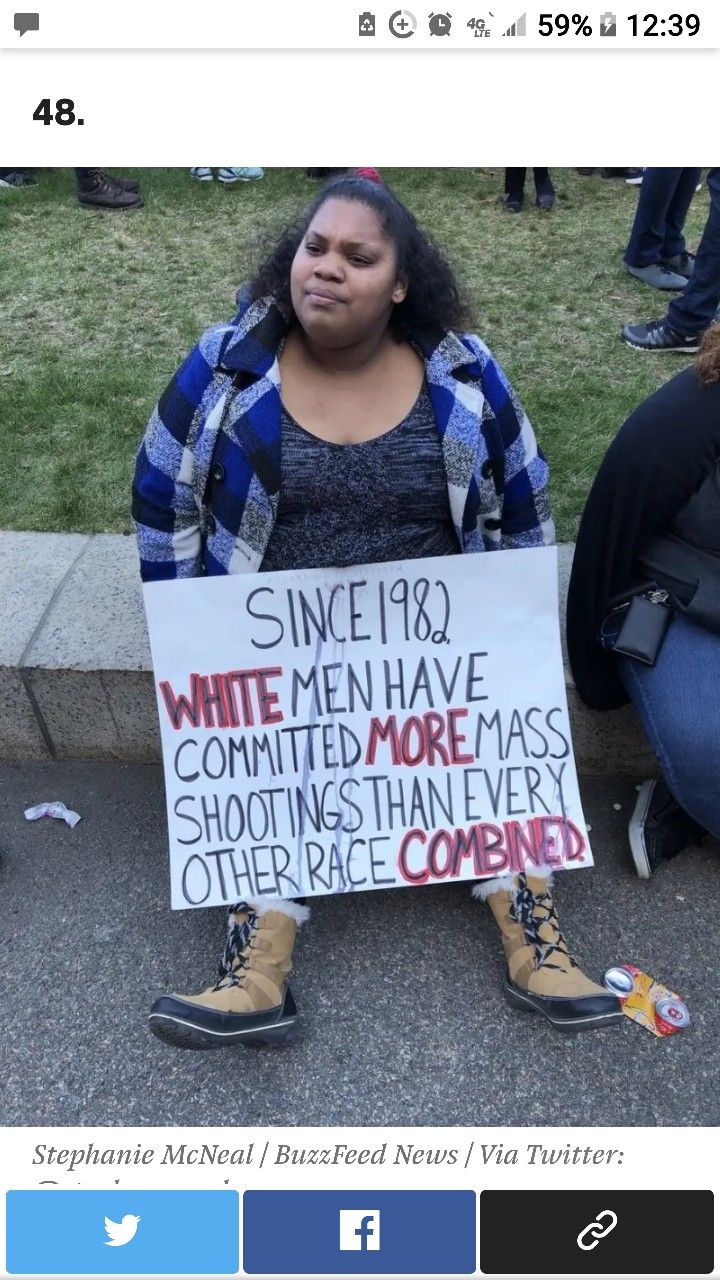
(98, 308)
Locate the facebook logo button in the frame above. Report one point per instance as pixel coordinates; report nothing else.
(359, 1229)
(359, 1232)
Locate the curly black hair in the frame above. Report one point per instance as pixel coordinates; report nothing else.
(433, 298)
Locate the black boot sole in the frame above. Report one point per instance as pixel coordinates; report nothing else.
(578, 1022)
(181, 1030)
(116, 208)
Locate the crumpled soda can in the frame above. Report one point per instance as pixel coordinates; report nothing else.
(620, 981)
(671, 1015)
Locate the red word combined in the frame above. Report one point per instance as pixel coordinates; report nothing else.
(494, 850)
(224, 701)
(428, 739)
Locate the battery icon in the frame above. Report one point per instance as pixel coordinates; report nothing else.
(608, 25)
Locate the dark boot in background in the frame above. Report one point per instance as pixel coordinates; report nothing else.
(97, 189)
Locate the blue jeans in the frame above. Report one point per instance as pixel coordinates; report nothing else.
(678, 701)
(663, 204)
(696, 308)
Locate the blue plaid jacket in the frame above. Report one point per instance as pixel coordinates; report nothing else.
(208, 474)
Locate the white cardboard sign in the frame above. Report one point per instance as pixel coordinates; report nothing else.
(392, 725)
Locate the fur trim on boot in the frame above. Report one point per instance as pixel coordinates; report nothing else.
(297, 911)
(484, 888)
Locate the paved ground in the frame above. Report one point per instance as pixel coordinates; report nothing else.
(403, 1020)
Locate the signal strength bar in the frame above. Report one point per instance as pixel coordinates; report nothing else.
(518, 28)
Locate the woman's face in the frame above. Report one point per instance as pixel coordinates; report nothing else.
(343, 279)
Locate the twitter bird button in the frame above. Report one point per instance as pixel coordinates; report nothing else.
(121, 1232)
(53, 1231)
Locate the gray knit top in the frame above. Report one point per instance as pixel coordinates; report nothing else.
(382, 499)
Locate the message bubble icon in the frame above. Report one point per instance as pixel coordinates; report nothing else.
(26, 22)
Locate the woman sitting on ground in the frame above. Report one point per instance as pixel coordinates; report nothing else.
(651, 529)
(370, 430)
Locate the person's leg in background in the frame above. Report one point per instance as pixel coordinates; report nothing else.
(678, 702)
(645, 253)
(544, 189)
(675, 254)
(695, 311)
(514, 190)
(689, 316)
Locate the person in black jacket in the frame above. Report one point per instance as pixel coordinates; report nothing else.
(651, 527)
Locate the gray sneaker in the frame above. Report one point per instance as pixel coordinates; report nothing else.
(658, 336)
(16, 178)
(658, 277)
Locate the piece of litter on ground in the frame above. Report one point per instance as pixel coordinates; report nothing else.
(680, 897)
(617, 806)
(53, 809)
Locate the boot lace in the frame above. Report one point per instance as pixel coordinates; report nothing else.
(97, 180)
(93, 179)
(235, 957)
(533, 911)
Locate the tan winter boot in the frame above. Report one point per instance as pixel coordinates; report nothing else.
(251, 1002)
(542, 975)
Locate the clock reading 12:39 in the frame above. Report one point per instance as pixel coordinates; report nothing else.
(676, 24)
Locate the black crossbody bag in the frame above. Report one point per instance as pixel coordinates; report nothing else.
(637, 625)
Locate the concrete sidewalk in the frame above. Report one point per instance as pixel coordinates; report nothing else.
(75, 668)
(402, 1017)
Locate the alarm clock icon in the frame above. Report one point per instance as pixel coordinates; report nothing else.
(440, 24)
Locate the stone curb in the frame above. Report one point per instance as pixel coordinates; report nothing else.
(75, 666)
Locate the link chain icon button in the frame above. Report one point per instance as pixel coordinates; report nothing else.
(597, 1230)
(603, 1216)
